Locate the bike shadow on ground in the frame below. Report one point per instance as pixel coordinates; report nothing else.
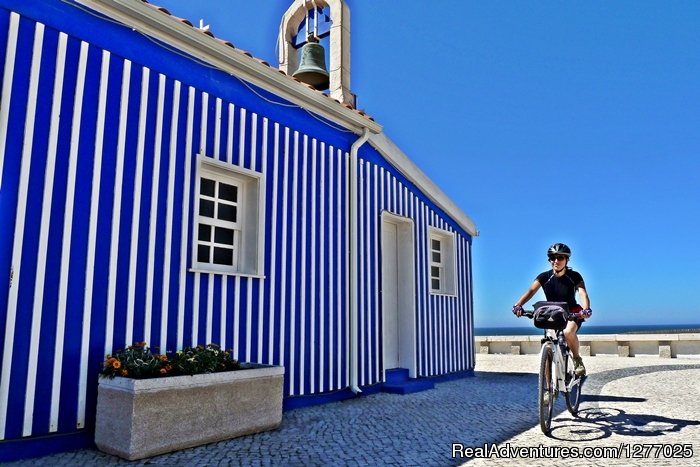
(602, 421)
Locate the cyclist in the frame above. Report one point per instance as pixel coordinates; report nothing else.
(560, 284)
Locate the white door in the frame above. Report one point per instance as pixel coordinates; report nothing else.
(390, 294)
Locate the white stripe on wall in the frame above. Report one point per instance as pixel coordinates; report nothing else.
(182, 281)
(195, 309)
(262, 247)
(253, 141)
(294, 225)
(273, 244)
(222, 311)
(67, 235)
(136, 208)
(283, 268)
(463, 362)
(316, 371)
(116, 208)
(249, 317)
(223, 307)
(19, 225)
(210, 310)
(312, 308)
(229, 142)
(380, 207)
(416, 321)
(8, 75)
(376, 214)
(165, 304)
(217, 129)
(236, 316)
(44, 232)
(153, 220)
(366, 283)
(324, 282)
(347, 276)
(362, 310)
(92, 236)
(241, 138)
(420, 317)
(302, 277)
(331, 270)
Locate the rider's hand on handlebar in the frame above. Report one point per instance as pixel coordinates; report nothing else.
(517, 310)
(583, 314)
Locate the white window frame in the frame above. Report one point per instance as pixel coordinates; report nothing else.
(248, 226)
(445, 265)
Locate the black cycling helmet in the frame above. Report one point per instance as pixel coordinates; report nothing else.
(559, 249)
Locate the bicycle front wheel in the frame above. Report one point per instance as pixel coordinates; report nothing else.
(545, 394)
(573, 387)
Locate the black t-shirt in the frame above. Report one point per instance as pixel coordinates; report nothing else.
(560, 289)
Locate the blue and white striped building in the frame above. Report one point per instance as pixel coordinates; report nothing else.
(159, 185)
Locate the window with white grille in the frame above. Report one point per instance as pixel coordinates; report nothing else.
(227, 219)
(441, 251)
(218, 231)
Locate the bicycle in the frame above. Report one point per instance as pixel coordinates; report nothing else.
(556, 368)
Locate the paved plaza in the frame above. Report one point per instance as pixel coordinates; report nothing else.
(642, 407)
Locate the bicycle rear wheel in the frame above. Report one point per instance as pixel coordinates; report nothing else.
(545, 396)
(573, 385)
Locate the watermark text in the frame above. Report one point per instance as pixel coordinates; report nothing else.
(623, 451)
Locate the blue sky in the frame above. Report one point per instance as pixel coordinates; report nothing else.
(574, 122)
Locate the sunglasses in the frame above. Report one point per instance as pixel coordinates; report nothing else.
(557, 258)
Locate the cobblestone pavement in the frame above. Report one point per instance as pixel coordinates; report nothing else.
(642, 406)
(634, 411)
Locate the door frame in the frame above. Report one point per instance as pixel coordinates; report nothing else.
(406, 293)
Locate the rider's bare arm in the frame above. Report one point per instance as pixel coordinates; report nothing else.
(583, 295)
(528, 294)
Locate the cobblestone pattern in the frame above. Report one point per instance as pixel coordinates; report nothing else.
(641, 400)
(641, 405)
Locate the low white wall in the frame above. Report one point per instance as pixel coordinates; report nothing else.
(621, 345)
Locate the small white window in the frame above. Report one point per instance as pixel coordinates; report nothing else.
(227, 227)
(442, 262)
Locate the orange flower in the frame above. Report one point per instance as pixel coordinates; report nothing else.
(116, 364)
(163, 371)
(124, 372)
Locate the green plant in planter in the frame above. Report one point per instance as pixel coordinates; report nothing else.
(198, 360)
(138, 362)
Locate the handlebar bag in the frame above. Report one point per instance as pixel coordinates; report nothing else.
(551, 315)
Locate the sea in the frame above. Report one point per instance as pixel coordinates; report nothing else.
(593, 329)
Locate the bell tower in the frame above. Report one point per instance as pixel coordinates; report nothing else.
(302, 25)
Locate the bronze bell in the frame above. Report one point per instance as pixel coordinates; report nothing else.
(312, 66)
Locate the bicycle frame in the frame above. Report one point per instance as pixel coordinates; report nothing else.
(560, 353)
(556, 376)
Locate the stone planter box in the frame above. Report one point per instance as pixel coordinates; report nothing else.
(139, 418)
